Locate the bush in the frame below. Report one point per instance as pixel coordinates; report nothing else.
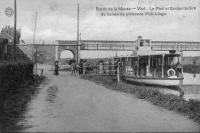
(13, 74)
(14, 101)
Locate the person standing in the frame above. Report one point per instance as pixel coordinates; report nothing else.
(81, 68)
(72, 68)
(56, 68)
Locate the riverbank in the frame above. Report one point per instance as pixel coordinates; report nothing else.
(190, 108)
(14, 102)
(190, 68)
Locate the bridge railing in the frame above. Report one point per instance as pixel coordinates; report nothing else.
(122, 45)
(181, 47)
(108, 70)
(38, 42)
(108, 47)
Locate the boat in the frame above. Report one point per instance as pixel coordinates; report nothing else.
(152, 67)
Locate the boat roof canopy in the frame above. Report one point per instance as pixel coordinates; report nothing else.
(172, 54)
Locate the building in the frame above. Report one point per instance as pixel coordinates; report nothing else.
(7, 40)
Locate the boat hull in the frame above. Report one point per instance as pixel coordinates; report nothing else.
(155, 81)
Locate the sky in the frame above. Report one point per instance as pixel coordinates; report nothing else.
(57, 20)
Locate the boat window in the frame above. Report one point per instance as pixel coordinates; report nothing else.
(159, 61)
(180, 59)
(172, 60)
(141, 43)
(155, 66)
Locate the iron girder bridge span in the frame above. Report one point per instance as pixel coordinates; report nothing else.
(131, 45)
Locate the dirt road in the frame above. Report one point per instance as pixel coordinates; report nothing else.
(68, 103)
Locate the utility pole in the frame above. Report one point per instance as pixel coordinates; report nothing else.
(78, 36)
(35, 51)
(15, 30)
(35, 27)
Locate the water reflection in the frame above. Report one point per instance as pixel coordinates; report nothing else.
(191, 86)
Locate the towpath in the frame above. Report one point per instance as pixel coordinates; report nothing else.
(68, 103)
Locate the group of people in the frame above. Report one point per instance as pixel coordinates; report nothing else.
(75, 68)
(84, 68)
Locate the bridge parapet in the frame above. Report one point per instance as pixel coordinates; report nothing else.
(180, 46)
(110, 47)
(38, 42)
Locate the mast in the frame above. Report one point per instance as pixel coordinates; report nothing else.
(15, 29)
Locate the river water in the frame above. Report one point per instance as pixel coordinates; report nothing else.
(191, 79)
(191, 87)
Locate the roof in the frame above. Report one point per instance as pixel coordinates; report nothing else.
(149, 55)
(6, 36)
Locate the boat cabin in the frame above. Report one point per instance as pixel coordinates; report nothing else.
(146, 63)
(153, 66)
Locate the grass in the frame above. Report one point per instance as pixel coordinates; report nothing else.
(190, 108)
(14, 103)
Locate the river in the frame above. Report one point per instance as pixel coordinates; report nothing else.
(191, 87)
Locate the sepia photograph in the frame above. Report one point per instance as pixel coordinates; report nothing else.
(99, 66)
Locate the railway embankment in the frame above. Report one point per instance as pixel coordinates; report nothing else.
(190, 108)
(18, 86)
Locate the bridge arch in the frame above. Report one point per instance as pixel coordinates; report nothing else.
(71, 48)
(67, 54)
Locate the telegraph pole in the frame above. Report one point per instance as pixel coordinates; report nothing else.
(35, 51)
(35, 27)
(15, 29)
(78, 36)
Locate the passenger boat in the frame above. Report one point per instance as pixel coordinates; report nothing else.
(152, 67)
